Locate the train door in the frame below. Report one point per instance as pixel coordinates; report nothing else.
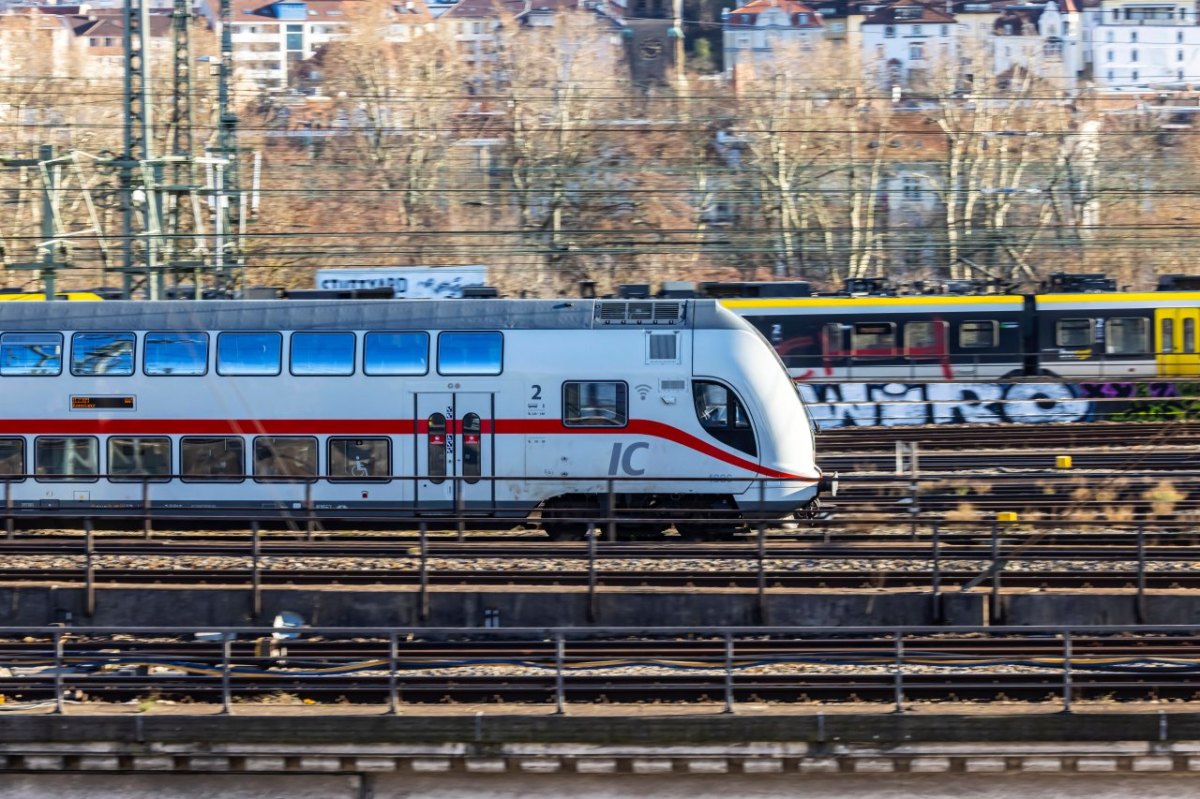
(1176, 336)
(454, 454)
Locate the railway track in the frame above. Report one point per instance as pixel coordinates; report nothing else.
(1076, 435)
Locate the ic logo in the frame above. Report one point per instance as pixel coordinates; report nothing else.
(642, 390)
(622, 459)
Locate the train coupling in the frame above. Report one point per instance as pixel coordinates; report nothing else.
(828, 484)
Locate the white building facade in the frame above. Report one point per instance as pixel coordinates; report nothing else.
(1145, 45)
(908, 45)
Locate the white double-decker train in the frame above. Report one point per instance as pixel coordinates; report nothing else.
(398, 409)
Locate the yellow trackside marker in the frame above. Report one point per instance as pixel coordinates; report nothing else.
(1006, 516)
(1062, 462)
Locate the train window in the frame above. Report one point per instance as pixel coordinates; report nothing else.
(360, 460)
(472, 447)
(134, 459)
(833, 339)
(217, 459)
(175, 354)
(1189, 335)
(595, 404)
(872, 339)
(924, 339)
(279, 459)
(12, 459)
(249, 353)
(470, 353)
(977, 334)
(1073, 333)
(437, 448)
(102, 354)
(723, 416)
(75, 459)
(31, 353)
(1168, 336)
(396, 354)
(1127, 335)
(322, 353)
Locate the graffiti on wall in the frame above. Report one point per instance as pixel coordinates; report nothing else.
(894, 404)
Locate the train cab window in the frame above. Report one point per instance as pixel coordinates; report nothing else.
(595, 404)
(1168, 336)
(1127, 335)
(396, 354)
(436, 448)
(102, 354)
(285, 459)
(924, 339)
(723, 416)
(31, 354)
(136, 459)
(472, 447)
(977, 334)
(470, 353)
(872, 340)
(360, 460)
(249, 353)
(67, 459)
(180, 354)
(1073, 333)
(322, 353)
(215, 459)
(12, 459)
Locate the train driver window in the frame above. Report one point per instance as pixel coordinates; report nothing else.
(977, 334)
(131, 460)
(1073, 333)
(217, 459)
(76, 459)
(723, 416)
(595, 404)
(290, 459)
(12, 459)
(873, 340)
(470, 353)
(360, 460)
(1127, 335)
(31, 354)
(102, 354)
(322, 353)
(249, 353)
(175, 354)
(396, 354)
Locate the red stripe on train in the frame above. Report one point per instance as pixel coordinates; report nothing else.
(365, 427)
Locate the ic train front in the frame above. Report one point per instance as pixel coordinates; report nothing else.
(398, 410)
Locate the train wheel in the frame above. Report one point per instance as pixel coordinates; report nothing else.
(568, 518)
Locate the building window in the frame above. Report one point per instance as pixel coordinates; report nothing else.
(1179, 37)
(1110, 55)
(889, 31)
(1178, 55)
(1134, 76)
(802, 19)
(916, 52)
(945, 30)
(1133, 54)
(910, 187)
(1133, 36)
(1108, 36)
(916, 30)
(1110, 75)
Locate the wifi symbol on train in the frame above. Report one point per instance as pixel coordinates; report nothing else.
(642, 390)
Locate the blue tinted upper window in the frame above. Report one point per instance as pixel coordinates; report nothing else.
(322, 353)
(396, 353)
(470, 353)
(31, 353)
(102, 354)
(249, 353)
(175, 354)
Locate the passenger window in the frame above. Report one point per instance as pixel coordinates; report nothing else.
(102, 354)
(472, 447)
(31, 353)
(1127, 335)
(470, 353)
(285, 459)
(1073, 333)
(249, 353)
(12, 459)
(322, 353)
(1168, 336)
(833, 340)
(74, 459)
(360, 460)
(220, 459)
(1189, 335)
(595, 404)
(723, 416)
(437, 448)
(396, 354)
(132, 459)
(872, 340)
(977, 334)
(924, 339)
(175, 354)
